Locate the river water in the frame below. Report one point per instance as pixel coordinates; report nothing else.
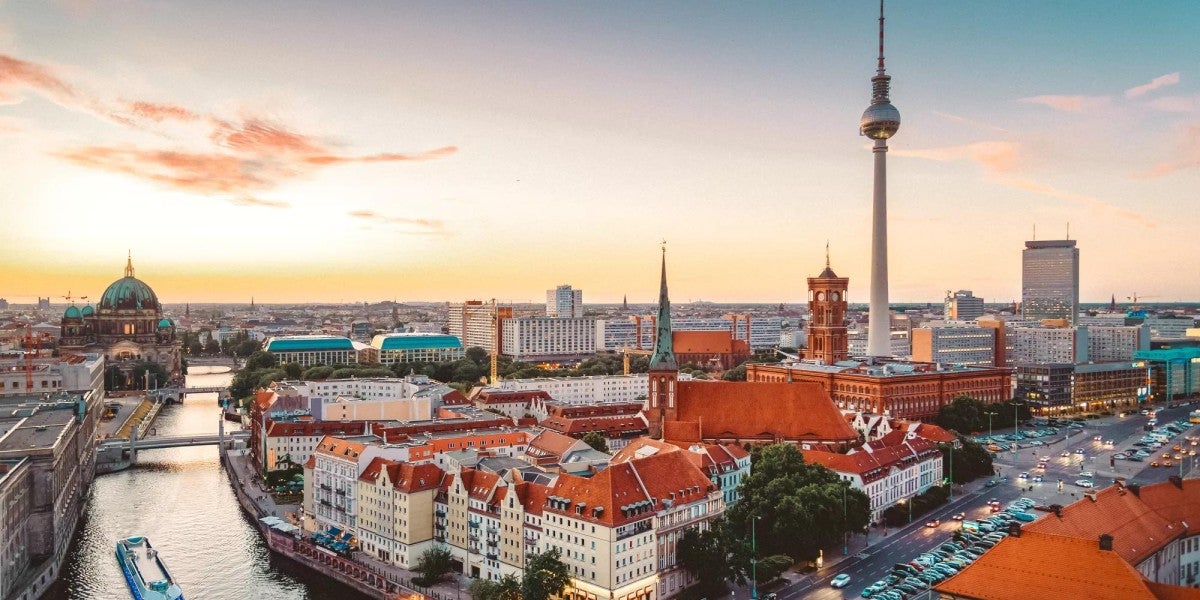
(181, 499)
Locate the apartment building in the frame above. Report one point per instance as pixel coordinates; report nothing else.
(564, 302)
(963, 306)
(395, 510)
(760, 333)
(1116, 342)
(49, 375)
(548, 338)
(891, 470)
(1047, 344)
(477, 324)
(955, 345)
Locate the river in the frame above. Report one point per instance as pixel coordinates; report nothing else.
(181, 499)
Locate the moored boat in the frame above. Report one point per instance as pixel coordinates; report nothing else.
(145, 572)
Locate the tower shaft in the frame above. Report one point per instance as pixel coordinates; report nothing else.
(879, 318)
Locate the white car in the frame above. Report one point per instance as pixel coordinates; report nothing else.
(840, 581)
(1083, 483)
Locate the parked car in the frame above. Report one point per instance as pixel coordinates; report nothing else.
(840, 581)
(1084, 483)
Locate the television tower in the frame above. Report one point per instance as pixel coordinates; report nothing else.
(879, 122)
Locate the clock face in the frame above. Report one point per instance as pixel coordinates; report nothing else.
(834, 296)
(820, 296)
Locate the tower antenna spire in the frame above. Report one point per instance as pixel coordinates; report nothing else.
(826, 254)
(880, 69)
(129, 264)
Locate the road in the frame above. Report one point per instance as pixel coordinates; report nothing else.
(876, 560)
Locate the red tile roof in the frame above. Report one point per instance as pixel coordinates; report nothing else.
(1138, 531)
(510, 397)
(1040, 565)
(878, 462)
(609, 426)
(749, 410)
(315, 428)
(609, 490)
(1178, 504)
(533, 496)
(339, 448)
(702, 342)
(550, 445)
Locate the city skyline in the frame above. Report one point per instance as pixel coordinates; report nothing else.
(446, 153)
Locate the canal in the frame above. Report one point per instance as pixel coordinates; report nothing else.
(181, 499)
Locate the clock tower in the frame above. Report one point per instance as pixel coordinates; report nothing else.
(827, 338)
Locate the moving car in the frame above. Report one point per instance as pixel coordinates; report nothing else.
(1083, 483)
(840, 581)
(959, 516)
(933, 523)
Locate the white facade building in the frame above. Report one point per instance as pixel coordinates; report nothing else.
(73, 373)
(596, 389)
(1116, 342)
(564, 301)
(760, 332)
(474, 323)
(1041, 345)
(963, 306)
(955, 345)
(888, 473)
(546, 338)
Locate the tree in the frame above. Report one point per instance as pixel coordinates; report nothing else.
(704, 554)
(260, 360)
(508, 588)
(477, 355)
(545, 576)
(737, 373)
(596, 440)
(433, 565)
(771, 567)
(114, 378)
(970, 461)
(964, 415)
(293, 370)
(148, 375)
(212, 346)
(801, 507)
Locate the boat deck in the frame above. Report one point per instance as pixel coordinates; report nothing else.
(145, 560)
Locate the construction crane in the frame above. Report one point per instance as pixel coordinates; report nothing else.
(34, 342)
(1135, 297)
(626, 351)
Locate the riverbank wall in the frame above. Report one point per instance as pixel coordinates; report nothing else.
(355, 575)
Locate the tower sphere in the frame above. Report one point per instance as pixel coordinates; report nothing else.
(880, 121)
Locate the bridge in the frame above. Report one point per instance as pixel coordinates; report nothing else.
(174, 441)
(177, 394)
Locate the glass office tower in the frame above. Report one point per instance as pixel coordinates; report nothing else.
(1050, 280)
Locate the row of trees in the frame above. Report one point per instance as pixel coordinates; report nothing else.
(796, 509)
(967, 415)
(203, 343)
(966, 463)
(545, 576)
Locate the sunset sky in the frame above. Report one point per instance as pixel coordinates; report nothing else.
(365, 151)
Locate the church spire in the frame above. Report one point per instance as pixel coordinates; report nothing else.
(129, 265)
(664, 356)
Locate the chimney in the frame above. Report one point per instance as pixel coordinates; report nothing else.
(1057, 508)
(1106, 542)
(1014, 529)
(1176, 480)
(1135, 488)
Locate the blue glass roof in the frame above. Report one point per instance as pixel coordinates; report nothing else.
(415, 341)
(308, 342)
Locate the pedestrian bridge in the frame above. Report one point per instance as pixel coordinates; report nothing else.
(174, 441)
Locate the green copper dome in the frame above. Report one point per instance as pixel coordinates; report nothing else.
(72, 313)
(88, 311)
(128, 293)
(164, 323)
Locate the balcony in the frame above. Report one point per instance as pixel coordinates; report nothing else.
(340, 492)
(441, 512)
(492, 555)
(325, 487)
(474, 538)
(473, 524)
(493, 529)
(493, 543)
(326, 502)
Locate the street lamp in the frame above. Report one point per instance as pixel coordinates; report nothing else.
(846, 534)
(990, 414)
(753, 558)
(951, 479)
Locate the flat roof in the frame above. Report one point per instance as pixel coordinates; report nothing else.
(42, 431)
(415, 341)
(300, 343)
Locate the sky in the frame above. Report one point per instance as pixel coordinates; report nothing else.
(442, 151)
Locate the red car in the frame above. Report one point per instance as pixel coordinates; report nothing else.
(959, 516)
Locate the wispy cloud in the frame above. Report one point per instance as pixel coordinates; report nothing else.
(252, 201)
(1154, 84)
(995, 156)
(1069, 103)
(232, 157)
(1187, 153)
(1176, 104)
(1000, 160)
(429, 226)
(968, 121)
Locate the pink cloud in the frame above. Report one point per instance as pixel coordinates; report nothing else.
(1069, 103)
(236, 157)
(968, 121)
(1154, 84)
(1176, 104)
(1089, 202)
(431, 226)
(1188, 153)
(996, 156)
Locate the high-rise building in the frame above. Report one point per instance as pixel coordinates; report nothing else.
(827, 338)
(1043, 345)
(963, 306)
(546, 338)
(564, 301)
(1050, 280)
(879, 122)
(475, 323)
(955, 345)
(1116, 342)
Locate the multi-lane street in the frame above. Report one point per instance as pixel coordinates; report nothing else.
(873, 562)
